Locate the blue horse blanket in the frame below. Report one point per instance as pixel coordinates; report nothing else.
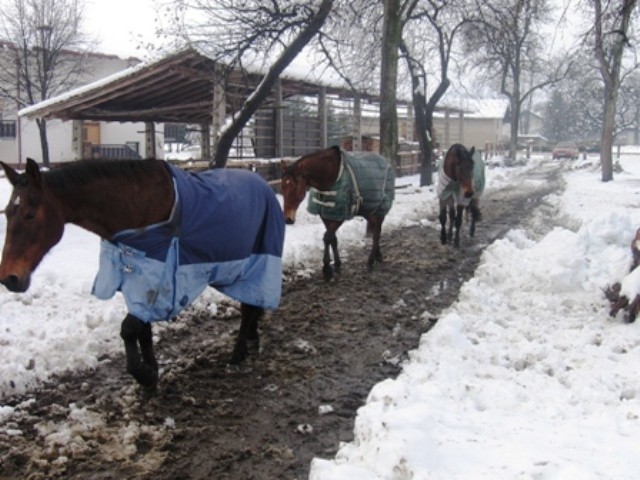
(449, 188)
(226, 230)
(365, 186)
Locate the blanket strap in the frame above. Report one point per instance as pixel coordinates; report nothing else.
(323, 204)
(354, 182)
(327, 193)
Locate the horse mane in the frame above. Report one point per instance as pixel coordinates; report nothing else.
(291, 169)
(73, 174)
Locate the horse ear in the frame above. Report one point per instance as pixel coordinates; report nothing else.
(33, 172)
(11, 174)
(472, 151)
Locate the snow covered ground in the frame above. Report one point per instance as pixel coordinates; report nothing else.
(526, 376)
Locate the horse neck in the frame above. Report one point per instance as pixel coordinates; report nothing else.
(107, 206)
(449, 168)
(320, 172)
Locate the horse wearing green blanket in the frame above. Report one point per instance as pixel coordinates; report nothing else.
(342, 185)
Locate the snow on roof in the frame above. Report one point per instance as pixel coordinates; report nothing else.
(485, 107)
(297, 71)
(127, 72)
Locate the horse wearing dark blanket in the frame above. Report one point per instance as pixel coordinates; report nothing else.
(166, 235)
(461, 182)
(341, 185)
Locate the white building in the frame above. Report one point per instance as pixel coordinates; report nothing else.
(20, 139)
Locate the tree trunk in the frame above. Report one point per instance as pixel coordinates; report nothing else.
(610, 64)
(225, 142)
(423, 127)
(606, 139)
(44, 141)
(513, 137)
(391, 36)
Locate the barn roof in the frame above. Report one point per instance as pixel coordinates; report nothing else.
(176, 88)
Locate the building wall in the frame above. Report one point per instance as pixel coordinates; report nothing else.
(59, 133)
(482, 131)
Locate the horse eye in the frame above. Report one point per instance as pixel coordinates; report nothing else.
(29, 216)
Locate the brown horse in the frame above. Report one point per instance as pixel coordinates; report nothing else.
(342, 185)
(460, 185)
(153, 250)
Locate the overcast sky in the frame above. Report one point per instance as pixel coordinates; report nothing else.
(121, 26)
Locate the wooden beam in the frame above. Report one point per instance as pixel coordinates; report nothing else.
(149, 140)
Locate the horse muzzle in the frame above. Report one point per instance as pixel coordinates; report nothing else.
(16, 284)
(468, 193)
(290, 217)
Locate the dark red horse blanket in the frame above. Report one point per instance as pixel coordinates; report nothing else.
(226, 230)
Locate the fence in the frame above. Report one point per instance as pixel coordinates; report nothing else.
(113, 152)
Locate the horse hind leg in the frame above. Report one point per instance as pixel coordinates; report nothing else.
(375, 226)
(248, 340)
(138, 345)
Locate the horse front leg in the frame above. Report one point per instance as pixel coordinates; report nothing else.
(248, 339)
(459, 213)
(443, 223)
(476, 216)
(138, 346)
(330, 245)
(452, 222)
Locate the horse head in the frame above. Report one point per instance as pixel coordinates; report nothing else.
(294, 188)
(464, 171)
(35, 223)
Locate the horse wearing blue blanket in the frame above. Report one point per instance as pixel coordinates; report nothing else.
(341, 185)
(166, 235)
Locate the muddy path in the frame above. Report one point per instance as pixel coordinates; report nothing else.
(322, 351)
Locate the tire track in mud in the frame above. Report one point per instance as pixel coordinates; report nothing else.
(325, 348)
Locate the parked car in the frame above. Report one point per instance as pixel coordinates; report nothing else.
(565, 150)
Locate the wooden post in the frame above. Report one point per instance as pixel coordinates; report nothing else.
(149, 140)
(279, 127)
(411, 131)
(322, 113)
(357, 124)
(205, 142)
(217, 121)
(76, 140)
(447, 136)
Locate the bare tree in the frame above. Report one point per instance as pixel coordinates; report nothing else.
(243, 33)
(391, 37)
(430, 29)
(44, 54)
(574, 109)
(506, 39)
(610, 36)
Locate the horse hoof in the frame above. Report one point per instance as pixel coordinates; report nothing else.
(327, 273)
(148, 391)
(253, 346)
(239, 355)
